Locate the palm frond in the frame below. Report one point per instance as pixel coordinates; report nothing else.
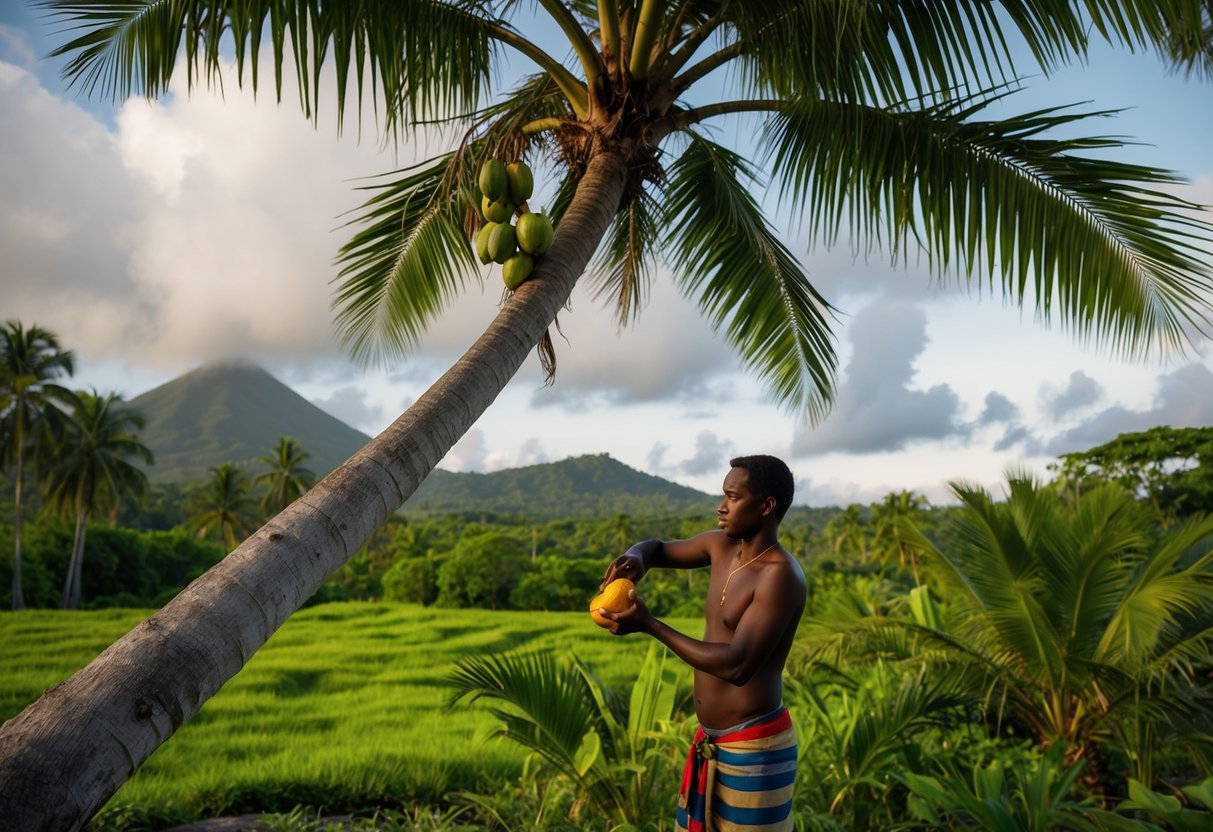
(504, 130)
(548, 711)
(1100, 243)
(410, 258)
(744, 279)
(623, 271)
(858, 51)
(384, 47)
(1162, 596)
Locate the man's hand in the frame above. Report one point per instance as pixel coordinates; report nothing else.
(635, 619)
(629, 565)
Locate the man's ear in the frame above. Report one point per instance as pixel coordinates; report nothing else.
(768, 506)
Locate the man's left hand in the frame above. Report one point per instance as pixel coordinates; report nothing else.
(635, 619)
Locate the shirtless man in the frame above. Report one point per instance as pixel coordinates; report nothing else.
(742, 764)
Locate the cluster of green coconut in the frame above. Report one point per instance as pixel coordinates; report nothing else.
(505, 189)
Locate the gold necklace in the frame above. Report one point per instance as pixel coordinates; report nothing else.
(739, 568)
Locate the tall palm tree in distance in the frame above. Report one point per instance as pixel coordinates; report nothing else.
(875, 118)
(30, 362)
(889, 517)
(222, 506)
(285, 479)
(93, 468)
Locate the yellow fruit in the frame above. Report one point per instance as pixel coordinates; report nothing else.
(613, 599)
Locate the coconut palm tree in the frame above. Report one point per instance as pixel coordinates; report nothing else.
(847, 533)
(875, 116)
(30, 362)
(96, 447)
(1072, 621)
(222, 506)
(286, 479)
(889, 516)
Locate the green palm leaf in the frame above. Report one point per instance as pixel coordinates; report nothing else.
(992, 195)
(623, 271)
(551, 713)
(133, 46)
(852, 50)
(409, 260)
(744, 279)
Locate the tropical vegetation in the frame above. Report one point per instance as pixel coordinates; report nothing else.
(223, 506)
(878, 123)
(285, 479)
(30, 362)
(92, 466)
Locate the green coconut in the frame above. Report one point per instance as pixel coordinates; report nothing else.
(517, 269)
(521, 183)
(499, 210)
(482, 242)
(535, 233)
(503, 243)
(493, 180)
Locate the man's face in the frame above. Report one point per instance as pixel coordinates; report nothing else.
(741, 512)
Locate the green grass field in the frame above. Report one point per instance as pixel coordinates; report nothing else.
(343, 708)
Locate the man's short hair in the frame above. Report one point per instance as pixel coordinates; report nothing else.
(769, 477)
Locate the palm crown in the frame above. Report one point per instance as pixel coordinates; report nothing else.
(875, 119)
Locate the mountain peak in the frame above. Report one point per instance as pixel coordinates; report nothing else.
(235, 411)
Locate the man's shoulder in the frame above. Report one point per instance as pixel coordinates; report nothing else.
(787, 569)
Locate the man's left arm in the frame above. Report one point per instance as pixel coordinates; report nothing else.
(759, 631)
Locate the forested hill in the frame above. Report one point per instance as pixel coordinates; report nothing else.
(584, 486)
(235, 413)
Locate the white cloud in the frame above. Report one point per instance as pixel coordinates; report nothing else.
(64, 216)
(1080, 392)
(1184, 398)
(876, 407)
(711, 455)
(998, 408)
(669, 354)
(350, 404)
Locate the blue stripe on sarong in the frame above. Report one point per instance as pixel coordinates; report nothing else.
(756, 758)
(756, 782)
(751, 817)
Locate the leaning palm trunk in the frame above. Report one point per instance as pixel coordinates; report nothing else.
(67, 753)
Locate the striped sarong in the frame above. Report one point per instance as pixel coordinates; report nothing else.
(741, 780)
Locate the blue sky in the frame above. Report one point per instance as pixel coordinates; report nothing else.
(153, 237)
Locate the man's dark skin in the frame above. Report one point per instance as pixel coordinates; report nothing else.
(739, 663)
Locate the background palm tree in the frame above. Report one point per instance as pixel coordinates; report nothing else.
(889, 517)
(286, 479)
(871, 119)
(222, 506)
(96, 447)
(1073, 622)
(30, 361)
(847, 533)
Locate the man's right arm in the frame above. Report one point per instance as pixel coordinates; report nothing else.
(670, 554)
